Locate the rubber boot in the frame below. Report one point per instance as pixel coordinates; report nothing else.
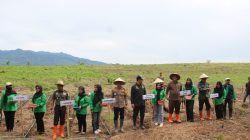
(170, 118)
(62, 131)
(178, 119)
(201, 116)
(121, 126)
(116, 126)
(55, 132)
(209, 115)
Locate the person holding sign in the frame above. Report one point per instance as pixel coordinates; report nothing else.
(218, 101)
(137, 102)
(173, 92)
(230, 98)
(158, 102)
(120, 95)
(39, 108)
(189, 86)
(9, 106)
(81, 104)
(96, 107)
(59, 111)
(204, 90)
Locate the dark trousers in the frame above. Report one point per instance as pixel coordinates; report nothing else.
(245, 97)
(9, 119)
(174, 105)
(82, 123)
(219, 111)
(96, 120)
(39, 121)
(229, 103)
(190, 110)
(118, 112)
(136, 111)
(202, 102)
(59, 115)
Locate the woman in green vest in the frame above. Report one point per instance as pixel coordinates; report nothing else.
(9, 106)
(81, 105)
(39, 108)
(219, 100)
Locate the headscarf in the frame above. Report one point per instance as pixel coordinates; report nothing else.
(98, 95)
(38, 94)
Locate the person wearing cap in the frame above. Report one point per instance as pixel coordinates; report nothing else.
(137, 102)
(120, 95)
(96, 98)
(59, 112)
(230, 98)
(190, 99)
(39, 108)
(158, 102)
(81, 103)
(173, 92)
(9, 106)
(247, 91)
(204, 90)
(218, 102)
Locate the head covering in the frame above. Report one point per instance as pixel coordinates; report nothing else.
(175, 74)
(203, 76)
(60, 82)
(38, 94)
(119, 80)
(227, 79)
(139, 77)
(8, 84)
(98, 95)
(158, 80)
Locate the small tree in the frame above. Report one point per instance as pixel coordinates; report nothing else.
(8, 63)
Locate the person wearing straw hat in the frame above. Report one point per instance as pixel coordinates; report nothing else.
(59, 112)
(158, 102)
(230, 98)
(120, 95)
(173, 92)
(8, 106)
(137, 102)
(204, 90)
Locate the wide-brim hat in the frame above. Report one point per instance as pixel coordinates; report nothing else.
(204, 76)
(119, 80)
(175, 74)
(60, 82)
(158, 80)
(8, 84)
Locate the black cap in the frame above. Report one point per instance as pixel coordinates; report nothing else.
(139, 77)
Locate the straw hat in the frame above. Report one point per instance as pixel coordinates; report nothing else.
(203, 76)
(175, 74)
(60, 82)
(8, 84)
(119, 80)
(158, 80)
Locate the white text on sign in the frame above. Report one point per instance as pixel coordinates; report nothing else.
(214, 95)
(21, 98)
(108, 101)
(185, 93)
(67, 103)
(148, 97)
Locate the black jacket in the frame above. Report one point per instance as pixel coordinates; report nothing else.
(137, 93)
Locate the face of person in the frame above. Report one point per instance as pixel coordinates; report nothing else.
(9, 87)
(119, 84)
(95, 89)
(158, 86)
(218, 86)
(174, 78)
(37, 89)
(80, 90)
(60, 87)
(188, 82)
(227, 81)
(204, 80)
(249, 79)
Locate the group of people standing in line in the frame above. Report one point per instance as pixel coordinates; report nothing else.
(171, 92)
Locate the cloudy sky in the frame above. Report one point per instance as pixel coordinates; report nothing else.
(130, 31)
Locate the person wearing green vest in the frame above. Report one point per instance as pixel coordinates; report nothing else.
(218, 102)
(96, 107)
(230, 98)
(158, 102)
(39, 108)
(9, 106)
(189, 86)
(81, 105)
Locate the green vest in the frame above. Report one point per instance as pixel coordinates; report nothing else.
(193, 91)
(10, 105)
(41, 101)
(97, 107)
(84, 103)
(163, 96)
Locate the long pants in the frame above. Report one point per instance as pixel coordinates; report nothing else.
(118, 112)
(230, 108)
(59, 115)
(9, 119)
(245, 97)
(136, 111)
(95, 120)
(158, 113)
(190, 110)
(206, 102)
(82, 123)
(39, 121)
(219, 111)
(174, 105)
